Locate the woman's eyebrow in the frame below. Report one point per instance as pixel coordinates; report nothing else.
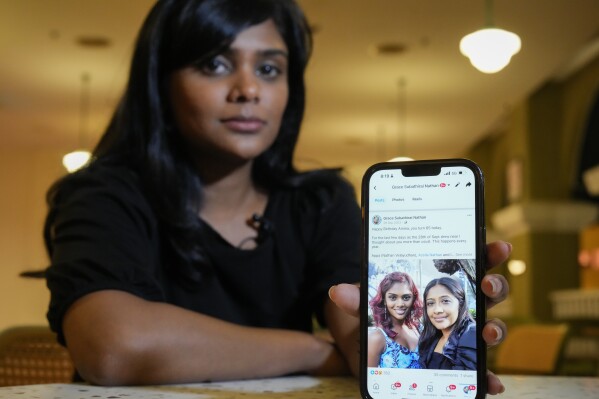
(274, 53)
(271, 52)
(437, 298)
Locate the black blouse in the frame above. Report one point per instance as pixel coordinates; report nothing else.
(105, 235)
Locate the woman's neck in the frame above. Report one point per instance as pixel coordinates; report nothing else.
(228, 202)
(230, 191)
(446, 332)
(227, 187)
(397, 324)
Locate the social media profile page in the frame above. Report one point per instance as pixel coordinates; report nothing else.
(421, 218)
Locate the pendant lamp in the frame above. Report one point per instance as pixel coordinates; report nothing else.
(77, 159)
(490, 49)
(402, 121)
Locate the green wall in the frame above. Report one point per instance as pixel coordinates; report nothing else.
(544, 132)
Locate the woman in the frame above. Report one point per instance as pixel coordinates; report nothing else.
(190, 249)
(448, 339)
(396, 310)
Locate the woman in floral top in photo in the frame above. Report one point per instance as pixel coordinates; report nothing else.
(397, 309)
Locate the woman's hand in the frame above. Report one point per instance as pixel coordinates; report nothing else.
(495, 287)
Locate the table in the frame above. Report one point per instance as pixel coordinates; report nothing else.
(527, 387)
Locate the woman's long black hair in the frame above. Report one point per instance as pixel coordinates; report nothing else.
(178, 33)
(142, 134)
(430, 334)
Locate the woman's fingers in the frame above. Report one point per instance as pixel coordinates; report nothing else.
(494, 385)
(496, 288)
(347, 298)
(494, 331)
(497, 253)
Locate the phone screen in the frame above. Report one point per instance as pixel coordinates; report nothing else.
(424, 240)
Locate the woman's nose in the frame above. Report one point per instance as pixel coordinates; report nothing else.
(245, 88)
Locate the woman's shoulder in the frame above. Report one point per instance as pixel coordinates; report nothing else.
(109, 172)
(377, 336)
(321, 190)
(324, 207)
(469, 327)
(467, 335)
(99, 176)
(99, 182)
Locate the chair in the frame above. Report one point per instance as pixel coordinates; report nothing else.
(531, 349)
(31, 355)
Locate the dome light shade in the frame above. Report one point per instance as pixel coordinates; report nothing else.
(490, 49)
(75, 160)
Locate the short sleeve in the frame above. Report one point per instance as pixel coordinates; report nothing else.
(101, 235)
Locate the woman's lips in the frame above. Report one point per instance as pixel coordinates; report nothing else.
(244, 125)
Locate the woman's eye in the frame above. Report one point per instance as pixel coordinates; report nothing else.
(429, 304)
(406, 297)
(269, 71)
(214, 66)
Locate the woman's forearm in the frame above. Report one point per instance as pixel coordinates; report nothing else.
(116, 338)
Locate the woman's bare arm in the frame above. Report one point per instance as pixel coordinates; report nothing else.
(376, 346)
(116, 338)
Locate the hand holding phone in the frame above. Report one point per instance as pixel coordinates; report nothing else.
(423, 243)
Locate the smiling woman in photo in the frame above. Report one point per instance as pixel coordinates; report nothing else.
(448, 339)
(396, 309)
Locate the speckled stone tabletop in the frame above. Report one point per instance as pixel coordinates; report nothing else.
(526, 387)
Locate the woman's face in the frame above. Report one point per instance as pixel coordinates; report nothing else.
(399, 300)
(442, 307)
(231, 106)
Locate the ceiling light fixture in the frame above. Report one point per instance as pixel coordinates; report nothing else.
(402, 120)
(75, 160)
(390, 49)
(490, 49)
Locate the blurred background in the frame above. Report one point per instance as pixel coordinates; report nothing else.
(386, 79)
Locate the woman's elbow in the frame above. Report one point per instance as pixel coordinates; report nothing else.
(107, 363)
(107, 344)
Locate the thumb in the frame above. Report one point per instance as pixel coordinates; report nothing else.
(346, 297)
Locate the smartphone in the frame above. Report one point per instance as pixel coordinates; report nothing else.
(422, 308)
